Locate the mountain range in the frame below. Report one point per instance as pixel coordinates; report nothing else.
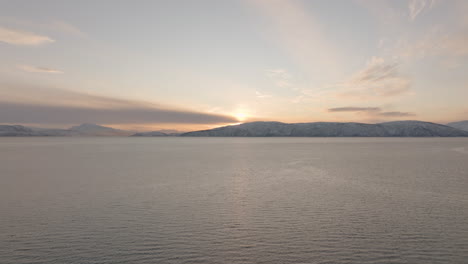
(265, 129)
(82, 130)
(158, 133)
(332, 129)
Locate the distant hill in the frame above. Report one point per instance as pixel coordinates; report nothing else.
(81, 130)
(158, 133)
(97, 130)
(150, 134)
(16, 130)
(332, 129)
(463, 125)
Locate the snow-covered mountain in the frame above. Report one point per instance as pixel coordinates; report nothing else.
(331, 129)
(81, 130)
(97, 130)
(263, 129)
(158, 133)
(150, 134)
(463, 125)
(16, 130)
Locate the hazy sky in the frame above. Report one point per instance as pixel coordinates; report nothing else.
(204, 63)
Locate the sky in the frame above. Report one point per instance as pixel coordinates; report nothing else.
(187, 65)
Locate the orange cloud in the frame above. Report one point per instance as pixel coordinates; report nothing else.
(38, 69)
(16, 37)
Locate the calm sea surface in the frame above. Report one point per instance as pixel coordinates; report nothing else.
(233, 200)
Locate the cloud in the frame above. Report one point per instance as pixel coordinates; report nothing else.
(445, 40)
(38, 69)
(39, 105)
(370, 111)
(56, 26)
(417, 6)
(16, 37)
(377, 70)
(354, 109)
(378, 79)
(278, 73)
(61, 26)
(396, 114)
(13, 112)
(281, 77)
(437, 43)
(262, 95)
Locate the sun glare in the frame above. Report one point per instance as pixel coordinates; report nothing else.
(241, 116)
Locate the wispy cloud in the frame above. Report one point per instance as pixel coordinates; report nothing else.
(262, 95)
(370, 111)
(377, 70)
(64, 27)
(444, 40)
(38, 69)
(354, 109)
(396, 114)
(16, 37)
(281, 77)
(438, 42)
(278, 73)
(415, 7)
(56, 26)
(378, 79)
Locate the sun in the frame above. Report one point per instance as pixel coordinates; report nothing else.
(240, 116)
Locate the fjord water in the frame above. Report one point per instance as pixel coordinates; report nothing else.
(233, 200)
